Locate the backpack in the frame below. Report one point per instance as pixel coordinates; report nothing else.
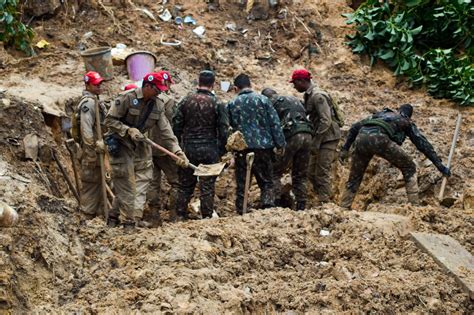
(76, 121)
(336, 110)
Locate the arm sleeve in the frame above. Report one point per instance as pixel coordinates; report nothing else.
(112, 120)
(353, 132)
(169, 109)
(223, 126)
(322, 120)
(275, 126)
(168, 139)
(423, 145)
(87, 111)
(178, 119)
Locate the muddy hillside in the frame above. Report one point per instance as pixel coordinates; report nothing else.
(322, 260)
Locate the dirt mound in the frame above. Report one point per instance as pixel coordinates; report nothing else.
(320, 260)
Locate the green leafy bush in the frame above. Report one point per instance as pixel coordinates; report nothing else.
(12, 31)
(430, 42)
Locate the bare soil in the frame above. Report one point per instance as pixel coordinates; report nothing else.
(271, 261)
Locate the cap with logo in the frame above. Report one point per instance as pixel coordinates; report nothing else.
(300, 74)
(166, 76)
(93, 78)
(130, 86)
(156, 79)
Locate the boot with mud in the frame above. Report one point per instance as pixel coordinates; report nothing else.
(347, 199)
(411, 186)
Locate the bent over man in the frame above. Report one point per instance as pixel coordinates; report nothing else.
(133, 114)
(382, 134)
(201, 125)
(298, 133)
(91, 192)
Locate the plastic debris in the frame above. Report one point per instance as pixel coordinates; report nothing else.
(188, 19)
(175, 43)
(166, 16)
(199, 31)
(147, 13)
(42, 44)
(231, 26)
(178, 20)
(225, 86)
(324, 232)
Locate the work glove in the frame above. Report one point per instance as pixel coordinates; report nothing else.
(135, 134)
(279, 151)
(182, 160)
(228, 159)
(343, 155)
(444, 170)
(100, 146)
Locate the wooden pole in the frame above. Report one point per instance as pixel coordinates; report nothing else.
(98, 129)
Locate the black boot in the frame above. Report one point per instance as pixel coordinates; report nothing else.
(300, 205)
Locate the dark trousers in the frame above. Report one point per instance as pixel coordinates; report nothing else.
(197, 153)
(262, 169)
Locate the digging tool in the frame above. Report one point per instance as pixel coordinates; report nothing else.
(101, 162)
(200, 170)
(66, 176)
(451, 153)
(69, 144)
(249, 160)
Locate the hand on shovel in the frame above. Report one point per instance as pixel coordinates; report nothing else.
(182, 160)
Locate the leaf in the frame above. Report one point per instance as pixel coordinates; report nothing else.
(412, 3)
(387, 55)
(417, 30)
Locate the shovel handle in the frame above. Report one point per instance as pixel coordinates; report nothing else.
(166, 151)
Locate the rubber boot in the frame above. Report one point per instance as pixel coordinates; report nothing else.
(347, 199)
(300, 205)
(411, 186)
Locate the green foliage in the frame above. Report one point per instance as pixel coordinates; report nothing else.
(12, 31)
(430, 42)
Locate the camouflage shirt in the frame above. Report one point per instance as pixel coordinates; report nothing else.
(201, 118)
(253, 115)
(397, 128)
(292, 115)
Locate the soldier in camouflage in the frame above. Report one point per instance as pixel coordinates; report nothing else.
(318, 105)
(254, 116)
(298, 133)
(161, 161)
(201, 124)
(382, 134)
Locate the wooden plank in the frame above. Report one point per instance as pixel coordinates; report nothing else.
(450, 255)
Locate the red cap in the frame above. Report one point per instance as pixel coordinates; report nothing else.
(157, 79)
(166, 76)
(93, 78)
(300, 74)
(130, 86)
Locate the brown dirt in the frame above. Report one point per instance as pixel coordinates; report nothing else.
(268, 261)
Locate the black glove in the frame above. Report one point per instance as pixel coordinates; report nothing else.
(444, 170)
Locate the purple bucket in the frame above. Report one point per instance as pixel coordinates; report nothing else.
(140, 63)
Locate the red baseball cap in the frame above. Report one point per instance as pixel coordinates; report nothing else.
(166, 76)
(130, 86)
(93, 78)
(157, 79)
(300, 74)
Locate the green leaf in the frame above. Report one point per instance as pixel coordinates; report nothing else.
(417, 30)
(389, 54)
(412, 3)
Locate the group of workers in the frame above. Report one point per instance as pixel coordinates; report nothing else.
(282, 132)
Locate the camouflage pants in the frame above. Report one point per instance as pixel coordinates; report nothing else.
(198, 153)
(262, 169)
(91, 190)
(169, 167)
(320, 167)
(297, 154)
(366, 146)
(131, 177)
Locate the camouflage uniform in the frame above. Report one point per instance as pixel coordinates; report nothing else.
(132, 167)
(298, 134)
(326, 138)
(201, 124)
(382, 134)
(91, 192)
(163, 162)
(254, 116)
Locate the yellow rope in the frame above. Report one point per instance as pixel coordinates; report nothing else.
(249, 5)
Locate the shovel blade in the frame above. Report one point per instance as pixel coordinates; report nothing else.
(203, 170)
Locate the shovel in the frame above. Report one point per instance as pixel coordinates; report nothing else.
(249, 159)
(200, 170)
(450, 157)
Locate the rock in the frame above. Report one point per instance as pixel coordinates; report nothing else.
(388, 224)
(31, 144)
(8, 215)
(468, 200)
(42, 7)
(6, 102)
